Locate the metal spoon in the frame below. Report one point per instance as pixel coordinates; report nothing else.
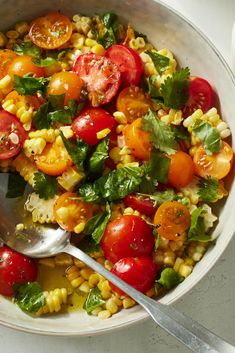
(43, 241)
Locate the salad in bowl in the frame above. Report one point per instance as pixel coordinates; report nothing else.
(115, 143)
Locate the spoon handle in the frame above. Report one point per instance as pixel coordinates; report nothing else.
(192, 334)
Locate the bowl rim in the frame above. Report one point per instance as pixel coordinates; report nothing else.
(143, 314)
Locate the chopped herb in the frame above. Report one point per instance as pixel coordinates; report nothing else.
(93, 300)
(97, 159)
(29, 296)
(44, 185)
(27, 48)
(27, 85)
(110, 35)
(161, 134)
(44, 62)
(16, 185)
(197, 228)
(209, 136)
(160, 62)
(208, 189)
(175, 89)
(152, 88)
(157, 239)
(97, 224)
(169, 278)
(77, 150)
(162, 196)
(41, 119)
(88, 245)
(180, 132)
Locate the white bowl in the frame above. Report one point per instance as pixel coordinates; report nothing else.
(164, 28)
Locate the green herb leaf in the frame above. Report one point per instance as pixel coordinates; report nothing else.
(169, 278)
(16, 185)
(88, 245)
(56, 101)
(152, 88)
(161, 134)
(109, 19)
(44, 185)
(107, 39)
(208, 189)
(77, 150)
(30, 85)
(93, 300)
(27, 48)
(209, 136)
(162, 196)
(175, 89)
(44, 62)
(97, 224)
(96, 161)
(180, 132)
(109, 36)
(41, 119)
(160, 62)
(157, 239)
(112, 186)
(29, 296)
(197, 228)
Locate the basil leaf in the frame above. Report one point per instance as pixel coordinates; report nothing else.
(160, 62)
(108, 36)
(169, 278)
(107, 39)
(209, 136)
(162, 196)
(96, 161)
(93, 300)
(77, 150)
(109, 19)
(44, 185)
(29, 296)
(41, 119)
(29, 85)
(197, 228)
(97, 224)
(56, 101)
(88, 245)
(44, 62)
(16, 185)
(27, 48)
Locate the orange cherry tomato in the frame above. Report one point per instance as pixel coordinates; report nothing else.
(67, 83)
(23, 65)
(216, 165)
(172, 219)
(54, 160)
(133, 102)
(181, 169)
(28, 101)
(6, 57)
(69, 211)
(137, 140)
(50, 31)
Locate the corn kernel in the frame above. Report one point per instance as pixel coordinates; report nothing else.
(3, 40)
(114, 154)
(63, 259)
(120, 117)
(106, 294)
(104, 314)
(128, 303)
(111, 306)
(79, 228)
(185, 270)
(86, 273)
(77, 282)
(12, 34)
(103, 133)
(98, 49)
(93, 279)
(178, 263)
(22, 27)
(84, 287)
(78, 263)
(90, 42)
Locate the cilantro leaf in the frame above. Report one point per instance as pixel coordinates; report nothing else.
(161, 134)
(44, 62)
(175, 89)
(97, 224)
(152, 88)
(209, 136)
(208, 189)
(197, 228)
(180, 132)
(29, 296)
(27, 85)
(44, 185)
(112, 186)
(76, 149)
(160, 62)
(96, 161)
(162, 196)
(27, 48)
(169, 278)
(41, 119)
(93, 300)
(16, 185)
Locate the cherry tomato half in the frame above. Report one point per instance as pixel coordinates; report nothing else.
(101, 75)
(15, 268)
(201, 96)
(143, 205)
(23, 65)
(139, 272)
(172, 219)
(53, 160)
(67, 83)
(127, 236)
(12, 135)
(133, 102)
(6, 57)
(137, 140)
(128, 62)
(91, 121)
(181, 169)
(217, 165)
(50, 31)
(70, 212)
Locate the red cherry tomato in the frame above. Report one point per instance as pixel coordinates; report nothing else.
(181, 169)
(129, 63)
(12, 135)
(127, 236)
(143, 205)
(91, 121)
(15, 268)
(201, 96)
(101, 75)
(139, 272)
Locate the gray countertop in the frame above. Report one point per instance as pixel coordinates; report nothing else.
(212, 301)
